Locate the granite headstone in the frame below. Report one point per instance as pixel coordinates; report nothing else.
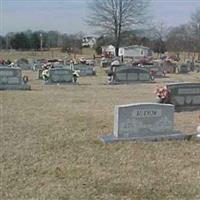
(60, 75)
(143, 121)
(11, 79)
(185, 96)
(85, 70)
(131, 74)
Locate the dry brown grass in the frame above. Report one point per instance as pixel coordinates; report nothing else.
(53, 53)
(49, 146)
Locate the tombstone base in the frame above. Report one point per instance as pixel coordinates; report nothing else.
(15, 87)
(170, 136)
(186, 108)
(60, 83)
(131, 82)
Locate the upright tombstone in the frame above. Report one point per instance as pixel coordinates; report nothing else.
(38, 64)
(40, 74)
(132, 74)
(11, 79)
(60, 75)
(183, 68)
(105, 63)
(23, 64)
(184, 96)
(169, 67)
(143, 121)
(156, 70)
(85, 70)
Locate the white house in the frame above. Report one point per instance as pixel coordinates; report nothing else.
(135, 51)
(88, 41)
(108, 50)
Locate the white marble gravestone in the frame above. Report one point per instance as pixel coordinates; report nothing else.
(143, 121)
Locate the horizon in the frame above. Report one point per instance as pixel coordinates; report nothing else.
(68, 16)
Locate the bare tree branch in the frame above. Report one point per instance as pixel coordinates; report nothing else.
(116, 16)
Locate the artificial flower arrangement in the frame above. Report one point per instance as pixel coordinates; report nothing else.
(163, 94)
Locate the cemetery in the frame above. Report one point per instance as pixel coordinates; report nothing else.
(70, 135)
(109, 116)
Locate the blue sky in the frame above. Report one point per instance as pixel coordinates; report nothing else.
(68, 16)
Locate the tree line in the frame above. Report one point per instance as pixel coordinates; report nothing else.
(120, 23)
(36, 40)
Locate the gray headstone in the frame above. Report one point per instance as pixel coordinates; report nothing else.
(143, 121)
(132, 74)
(40, 74)
(23, 64)
(185, 96)
(169, 67)
(156, 70)
(183, 68)
(11, 79)
(85, 70)
(60, 75)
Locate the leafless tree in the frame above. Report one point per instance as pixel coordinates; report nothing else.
(158, 33)
(195, 22)
(115, 16)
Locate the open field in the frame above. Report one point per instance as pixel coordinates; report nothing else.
(53, 53)
(50, 151)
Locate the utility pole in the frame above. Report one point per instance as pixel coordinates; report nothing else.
(198, 46)
(41, 42)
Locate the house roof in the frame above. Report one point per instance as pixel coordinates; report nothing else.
(108, 47)
(135, 46)
(89, 36)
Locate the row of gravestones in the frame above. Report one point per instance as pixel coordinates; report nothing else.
(146, 121)
(122, 74)
(182, 94)
(83, 70)
(11, 78)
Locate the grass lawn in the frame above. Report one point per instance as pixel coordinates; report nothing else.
(49, 148)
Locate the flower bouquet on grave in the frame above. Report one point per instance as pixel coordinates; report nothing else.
(163, 94)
